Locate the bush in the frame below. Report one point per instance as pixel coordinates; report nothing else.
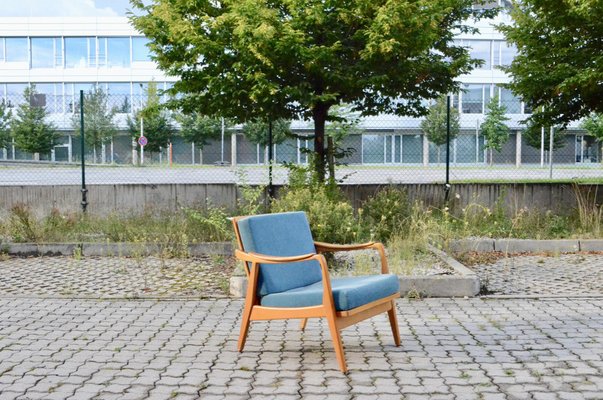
(386, 213)
(331, 218)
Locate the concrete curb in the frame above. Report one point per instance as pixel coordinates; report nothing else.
(464, 284)
(526, 245)
(107, 249)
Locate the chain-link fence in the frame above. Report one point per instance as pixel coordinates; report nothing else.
(379, 150)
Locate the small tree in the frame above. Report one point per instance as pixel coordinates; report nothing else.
(434, 124)
(5, 116)
(593, 125)
(99, 127)
(342, 123)
(257, 131)
(31, 132)
(533, 137)
(494, 129)
(157, 127)
(200, 129)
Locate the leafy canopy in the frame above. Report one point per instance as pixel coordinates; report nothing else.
(295, 59)
(257, 131)
(99, 127)
(200, 129)
(559, 67)
(494, 129)
(593, 124)
(29, 127)
(434, 124)
(5, 116)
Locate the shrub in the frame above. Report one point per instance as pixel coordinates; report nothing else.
(386, 213)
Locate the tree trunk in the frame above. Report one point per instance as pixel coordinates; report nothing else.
(319, 112)
(331, 158)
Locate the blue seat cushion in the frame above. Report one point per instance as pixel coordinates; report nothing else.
(284, 235)
(348, 293)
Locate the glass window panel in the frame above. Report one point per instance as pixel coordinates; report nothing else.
(372, 149)
(480, 49)
(466, 148)
(140, 51)
(16, 49)
(496, 52)
(119, 96)
(507, 53)
(118, 52)
(42, 53)
(397, 144)
(388, 149)
(14, 93)
(509, 100)
(437, 154)
(1, 49)
(412, 149)
(287, 151)
(473, 99)
(102, 52)
(76, 52)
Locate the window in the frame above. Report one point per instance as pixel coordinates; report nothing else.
(118, 51)
(373, 149)
(16, 49)
(509, 100)
(80, 52)
(119, 97)
(140, 51)
(1, 49)
(507, 53)
(14, 93)
(46, 52)
(474, 97)
(49, 96)
(480, 49)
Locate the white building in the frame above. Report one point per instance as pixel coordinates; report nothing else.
(62, 56)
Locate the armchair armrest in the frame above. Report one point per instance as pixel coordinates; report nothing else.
(267, 259)
(329, 247)
(322, 247)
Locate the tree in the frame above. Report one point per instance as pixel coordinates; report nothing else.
(257, 131)
(295, 59)
(434, 125)
(157, 127)
(200, 129)
(533, 136)
(99, 127)
(5, 116)
(593, 125)
(494, 129)
(31, 132)
(558, 68)
(343, 123)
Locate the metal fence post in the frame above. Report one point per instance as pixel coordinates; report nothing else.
(447, 186)
(84, 190)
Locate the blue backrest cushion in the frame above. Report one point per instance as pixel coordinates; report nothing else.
(284, 235)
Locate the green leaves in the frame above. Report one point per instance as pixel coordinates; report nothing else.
(29, 129)
(435, 123)
(5, 116)
(99, 127)
(494, 129)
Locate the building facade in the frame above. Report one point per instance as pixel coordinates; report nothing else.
(62, 56)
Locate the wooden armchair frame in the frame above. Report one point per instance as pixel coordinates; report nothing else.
(337, 320)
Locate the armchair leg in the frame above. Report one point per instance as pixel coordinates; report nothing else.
(302, 323)
(245, 320)
(337, 344)
(393, 321)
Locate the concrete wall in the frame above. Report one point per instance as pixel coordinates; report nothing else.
(104, 199)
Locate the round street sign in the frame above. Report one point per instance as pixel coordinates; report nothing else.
(142, 141)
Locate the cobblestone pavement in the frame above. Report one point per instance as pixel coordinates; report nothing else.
(451, 349)
(566, 274)
(107, 277)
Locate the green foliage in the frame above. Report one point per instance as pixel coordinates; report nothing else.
(434, 124)
(533, 136)
(494, 129)
(157, 125)
(386, 213)
(99, 127)
(5, 116)
(31, 132)
(200, 129)
(557, 68)
(331, 218)
(296, 59)
(593, 124)
(214, 223)
(257, 131)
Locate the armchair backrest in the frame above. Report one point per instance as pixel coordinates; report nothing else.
(281, 234)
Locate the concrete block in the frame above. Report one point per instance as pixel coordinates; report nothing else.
(440, 286)
(532, 246)
(59, 249)
(591, 245)
(222, 248)
(478, 245)
(21, 249)
(238, 286)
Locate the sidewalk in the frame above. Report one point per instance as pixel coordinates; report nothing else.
(60, 346)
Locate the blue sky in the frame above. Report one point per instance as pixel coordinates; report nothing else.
(63, 8)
